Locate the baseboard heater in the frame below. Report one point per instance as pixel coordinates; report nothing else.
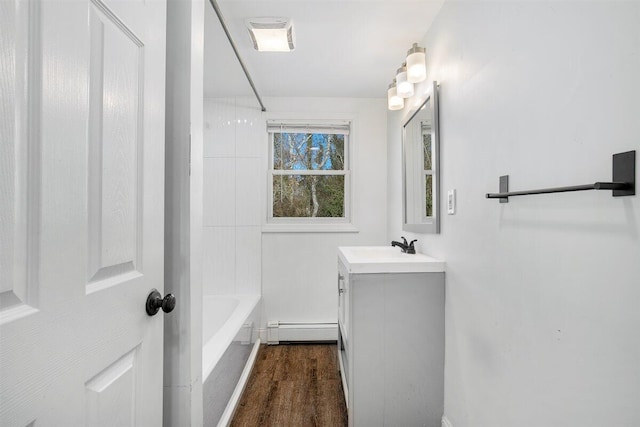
(284, 332)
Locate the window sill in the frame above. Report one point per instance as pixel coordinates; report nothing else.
(309, 228)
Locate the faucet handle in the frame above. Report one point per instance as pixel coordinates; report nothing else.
(412, 242)
(411, 249)
(404, 241)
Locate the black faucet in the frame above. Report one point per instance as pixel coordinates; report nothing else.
(407, 248)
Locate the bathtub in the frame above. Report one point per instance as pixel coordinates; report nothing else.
(227, 353)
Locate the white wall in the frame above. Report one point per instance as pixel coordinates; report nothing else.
(299, 270)
(542, 318)
(233, 192)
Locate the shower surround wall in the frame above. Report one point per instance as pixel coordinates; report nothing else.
(234, 148)
(542, 293)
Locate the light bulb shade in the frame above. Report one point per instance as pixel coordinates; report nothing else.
(394, 102)
(416, 64)
(403, 86)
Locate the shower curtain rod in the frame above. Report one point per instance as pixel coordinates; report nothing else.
(235, 50)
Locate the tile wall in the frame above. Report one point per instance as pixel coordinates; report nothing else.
(234, 184)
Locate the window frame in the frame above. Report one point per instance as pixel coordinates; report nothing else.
(310, 224)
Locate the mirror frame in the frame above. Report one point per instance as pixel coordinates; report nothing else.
(431, 226)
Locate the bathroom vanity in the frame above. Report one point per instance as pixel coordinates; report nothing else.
(391, 336)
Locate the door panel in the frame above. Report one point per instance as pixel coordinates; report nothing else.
(81, 235)
(115, 136)
(17, 292)
(110, 397)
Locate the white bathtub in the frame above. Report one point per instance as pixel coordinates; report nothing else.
(227, 352)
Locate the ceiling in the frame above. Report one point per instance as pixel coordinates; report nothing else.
(344, 48)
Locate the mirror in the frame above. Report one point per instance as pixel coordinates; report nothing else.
(421, 167)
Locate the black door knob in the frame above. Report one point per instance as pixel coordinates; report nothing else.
(155, 302)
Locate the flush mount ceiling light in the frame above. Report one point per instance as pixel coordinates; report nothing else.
(271, 34)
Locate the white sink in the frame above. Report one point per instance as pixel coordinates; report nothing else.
(387, 259)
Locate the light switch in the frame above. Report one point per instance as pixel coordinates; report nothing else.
(451, 202)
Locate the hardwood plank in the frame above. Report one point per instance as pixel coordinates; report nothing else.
(293, 385)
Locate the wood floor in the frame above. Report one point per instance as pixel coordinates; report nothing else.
(293, 386)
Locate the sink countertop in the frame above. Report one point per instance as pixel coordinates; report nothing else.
(387, 259)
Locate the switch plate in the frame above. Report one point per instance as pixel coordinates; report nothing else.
(451, 202)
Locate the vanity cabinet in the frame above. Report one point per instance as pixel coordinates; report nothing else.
(391, 338)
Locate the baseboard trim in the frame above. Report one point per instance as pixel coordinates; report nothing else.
(281, 332)
(230, 410)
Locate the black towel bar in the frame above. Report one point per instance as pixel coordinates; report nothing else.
(624, 181)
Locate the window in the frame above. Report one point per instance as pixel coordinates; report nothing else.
(309, 173)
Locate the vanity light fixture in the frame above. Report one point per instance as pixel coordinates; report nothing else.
(394, 102)
(404, 87)
(413, 70)
(271, 34)
(416, 64)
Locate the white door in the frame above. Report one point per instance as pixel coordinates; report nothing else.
(81, 211)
